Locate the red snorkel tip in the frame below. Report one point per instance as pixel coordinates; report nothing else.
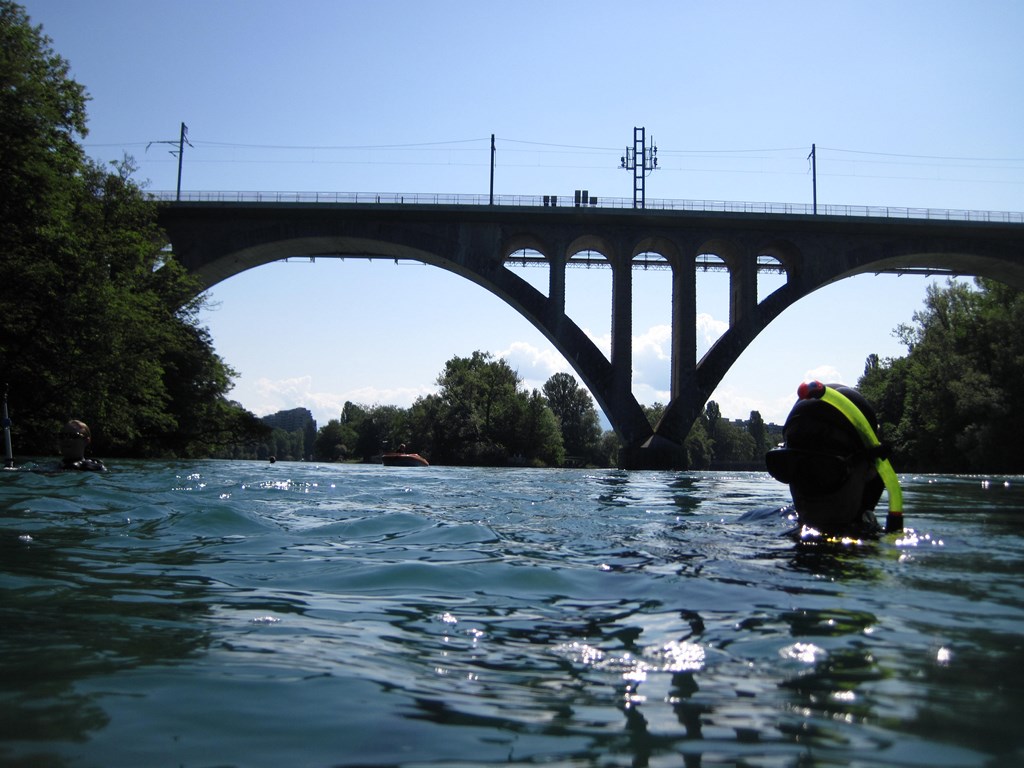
(810, 390)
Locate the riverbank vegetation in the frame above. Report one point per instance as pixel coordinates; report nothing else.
(98, 322)
(955, 402)
(482, 416)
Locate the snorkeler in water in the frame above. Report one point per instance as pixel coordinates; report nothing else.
(834, 463)
(73, 439)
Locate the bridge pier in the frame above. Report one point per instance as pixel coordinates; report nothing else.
(622, 330)
(742, 286)
(556, 279)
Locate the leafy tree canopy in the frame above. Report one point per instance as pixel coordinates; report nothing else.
(954, 403)
(577, 417)
(99, 323)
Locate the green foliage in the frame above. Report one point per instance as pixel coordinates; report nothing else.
(953, 404)
(98, 323)
(480, 417)
(700, 448)
(758, 432)
(577, 417)
(42, 115)
(334, 441)
(716, 442)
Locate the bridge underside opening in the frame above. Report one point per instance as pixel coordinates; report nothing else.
(652, 328)
(771, 275)
(588, 295)
(533, 266)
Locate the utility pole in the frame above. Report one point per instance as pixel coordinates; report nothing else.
(181, 155)
(814, 177)
(641, 161)
(182, 141)
(492, 169)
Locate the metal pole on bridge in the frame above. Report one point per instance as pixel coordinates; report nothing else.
(814, 177)
(182, 141)
(181, 156)
(492, 169)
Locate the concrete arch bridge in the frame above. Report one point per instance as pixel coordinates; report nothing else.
(216, 239)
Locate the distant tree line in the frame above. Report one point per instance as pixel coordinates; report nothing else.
(97, 322)
(955, 402)
(481, 416)
(715, 442)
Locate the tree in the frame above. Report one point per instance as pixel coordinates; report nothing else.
(732, 444)
(577, 416)
(334, 441)
(608, 450)
(99, 323)
(480, 417)
(699, 446)
(713, 418)
(758, 433)
(953, 403)
(476, 395)
(542, 438)
(42, 115)
(654, 412)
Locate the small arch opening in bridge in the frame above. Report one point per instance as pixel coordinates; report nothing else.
(588, 258)
(712, 284)
(532, 266)
(771, 275)
(588, 294)
(710, 262)
(652, 328)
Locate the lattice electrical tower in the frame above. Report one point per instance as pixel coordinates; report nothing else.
(641, 161)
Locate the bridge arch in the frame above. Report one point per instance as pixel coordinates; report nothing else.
(784, 252)
(217, 240)
(668, 249)
(594, 243)
(525, 241)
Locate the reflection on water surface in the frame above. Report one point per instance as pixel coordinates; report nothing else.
(218, 613)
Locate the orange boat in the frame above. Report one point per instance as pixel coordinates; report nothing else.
(403, 460)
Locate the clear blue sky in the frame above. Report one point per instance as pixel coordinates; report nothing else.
(909, 103)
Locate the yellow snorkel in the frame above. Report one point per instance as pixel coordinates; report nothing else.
(818, 391)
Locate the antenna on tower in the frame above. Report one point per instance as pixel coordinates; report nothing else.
(641, 160)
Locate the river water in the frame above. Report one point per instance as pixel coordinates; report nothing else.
(247, 614)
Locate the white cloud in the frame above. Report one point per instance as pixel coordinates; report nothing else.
(655, 342)
(533, 362)
(652, 358)
(827, 374)
(735, 404)
(709, 331)
(272, 395)
(649, 395)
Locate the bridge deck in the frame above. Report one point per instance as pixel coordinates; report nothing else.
(545, 201)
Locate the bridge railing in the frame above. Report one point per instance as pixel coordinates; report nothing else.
(553, 201)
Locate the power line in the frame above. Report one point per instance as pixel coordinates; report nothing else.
(340, 147)
(929, 157)
(568, 148)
